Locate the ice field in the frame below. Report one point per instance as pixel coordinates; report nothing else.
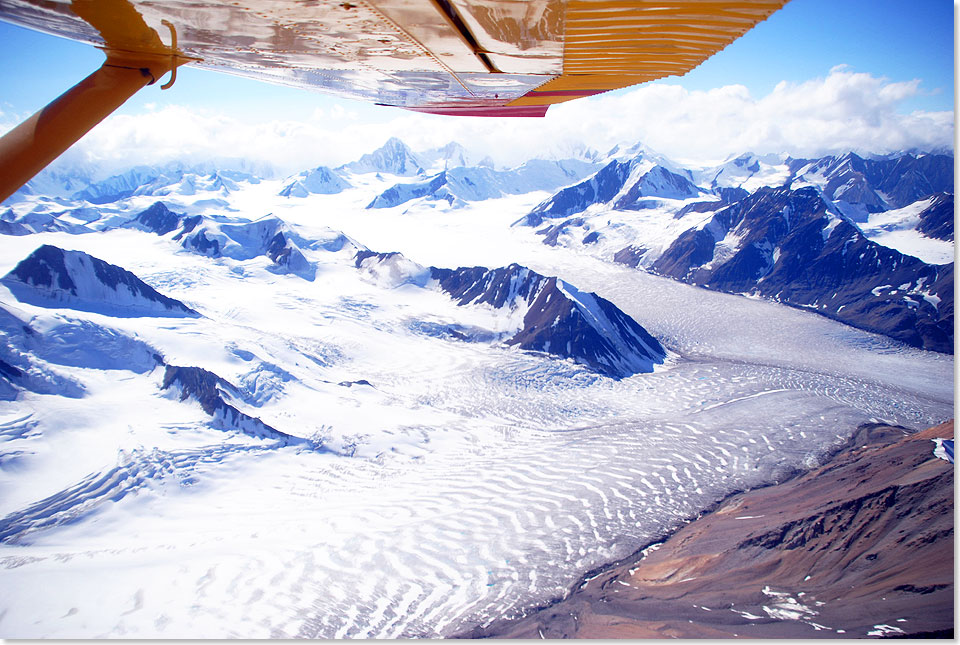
(447, 482)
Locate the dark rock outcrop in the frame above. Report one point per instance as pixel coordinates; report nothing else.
(630, 256)
(560, 320)
(727, 196)
(159, 219)
(551, 233)
(936, 220)
(364, 254)
(211, 392)
(156, 219)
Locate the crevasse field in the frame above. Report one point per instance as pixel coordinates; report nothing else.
(448, 482)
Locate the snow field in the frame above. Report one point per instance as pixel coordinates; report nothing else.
(898, 229)
(462, 482)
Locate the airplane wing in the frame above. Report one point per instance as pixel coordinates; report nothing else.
(497, 57)
(456, 57)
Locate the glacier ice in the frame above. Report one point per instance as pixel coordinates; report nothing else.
(462, 481)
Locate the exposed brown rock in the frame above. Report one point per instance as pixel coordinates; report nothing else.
(860, 546)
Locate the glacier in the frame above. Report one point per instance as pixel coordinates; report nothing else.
(430, 477)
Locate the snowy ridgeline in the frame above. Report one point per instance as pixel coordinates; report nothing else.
(828, 234)
(52, 277)
(216, 422)
(531, 311)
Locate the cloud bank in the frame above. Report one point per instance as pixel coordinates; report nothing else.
(842, 111)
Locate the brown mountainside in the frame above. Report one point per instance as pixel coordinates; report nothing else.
(862, 546)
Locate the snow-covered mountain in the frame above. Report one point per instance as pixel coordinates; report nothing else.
(629, 184)
(459, 186)
(140, 178)
(876, 184)
(923, 229)
(319, 181)
(936, 217)
(558, 318)
(787, 245)
(830, 234)
(345, 443)
(215, 397)
(161, 220)
(268, 237)
(53, 277)
(539, 313)
(56, 182)
(746, 171)
(235, 238)
(394, 158)
(452, 155)
(170, 179)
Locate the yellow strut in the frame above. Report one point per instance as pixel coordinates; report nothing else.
(28, 148)
(135, 57)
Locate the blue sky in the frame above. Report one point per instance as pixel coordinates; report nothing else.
(889, 47)
(898, 39)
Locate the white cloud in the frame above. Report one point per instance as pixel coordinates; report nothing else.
(843, 111)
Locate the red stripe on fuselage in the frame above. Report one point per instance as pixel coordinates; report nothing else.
(483, 110)
(564, 92)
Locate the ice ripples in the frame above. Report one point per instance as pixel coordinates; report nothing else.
(492, 534)
(545, 473)
(536, 472)
(370, 549)
(135, 470)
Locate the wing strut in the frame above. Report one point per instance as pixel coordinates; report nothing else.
(28, 148)
(135, 57)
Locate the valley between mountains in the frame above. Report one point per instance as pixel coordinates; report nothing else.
(416, 395)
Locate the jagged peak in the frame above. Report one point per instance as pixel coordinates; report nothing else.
(394, 142)
(557, 318)
(394, 157)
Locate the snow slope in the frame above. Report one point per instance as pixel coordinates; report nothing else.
(900, 229)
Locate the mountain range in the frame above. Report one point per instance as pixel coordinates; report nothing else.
(418, 393)
(866, 241)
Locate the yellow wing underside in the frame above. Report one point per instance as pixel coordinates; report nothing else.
(499, 57)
